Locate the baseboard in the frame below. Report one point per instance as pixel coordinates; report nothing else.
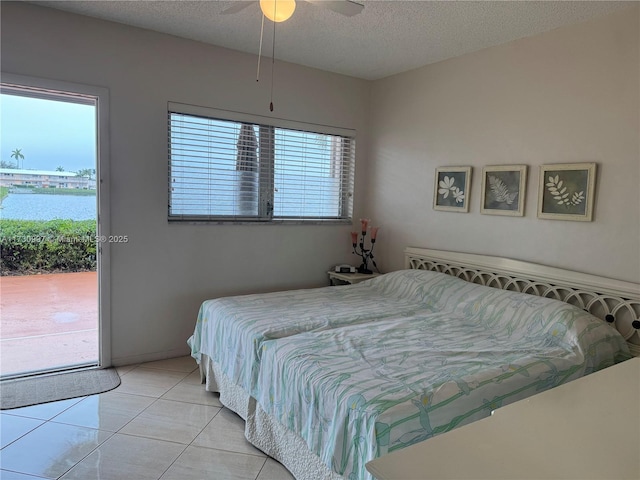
(149, 357)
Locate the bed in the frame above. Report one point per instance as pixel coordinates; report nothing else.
(328, 379)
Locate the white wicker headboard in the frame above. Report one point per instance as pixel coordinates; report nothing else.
(613, 301)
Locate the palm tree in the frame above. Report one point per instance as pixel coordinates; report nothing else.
(59, 169)
(86, 172)
(17, 154)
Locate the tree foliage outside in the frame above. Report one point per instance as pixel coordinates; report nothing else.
(86, 172)
(31, 246)
(5, 164)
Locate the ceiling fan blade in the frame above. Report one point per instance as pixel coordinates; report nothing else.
(345, 7)
(237, 6)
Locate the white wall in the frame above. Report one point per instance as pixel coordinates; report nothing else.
(569, 95)
(166, 270)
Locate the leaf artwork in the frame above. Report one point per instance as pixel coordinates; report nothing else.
(500, 191)
(446, 186)
(560, 194)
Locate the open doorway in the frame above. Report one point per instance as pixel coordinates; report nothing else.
(50, 308)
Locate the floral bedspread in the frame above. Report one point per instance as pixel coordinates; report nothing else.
(361, 370)
(231, 330)
(357, 392)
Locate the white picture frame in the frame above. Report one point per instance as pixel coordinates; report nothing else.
(503, 190)
(452, 189)
(566, 191)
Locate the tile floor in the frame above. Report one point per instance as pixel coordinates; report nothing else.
(160, 423)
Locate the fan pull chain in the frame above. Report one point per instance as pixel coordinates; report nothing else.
(260, 49)
(273, 55)
(273, 64)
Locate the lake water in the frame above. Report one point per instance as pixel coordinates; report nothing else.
(36, 206)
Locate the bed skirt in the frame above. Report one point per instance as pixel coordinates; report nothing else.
(262, 430)
(231, 395)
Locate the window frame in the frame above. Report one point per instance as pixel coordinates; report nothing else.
(266, 187)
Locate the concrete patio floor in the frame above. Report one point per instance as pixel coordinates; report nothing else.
(48, 321)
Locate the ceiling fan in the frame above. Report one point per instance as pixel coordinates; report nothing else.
(281, 10)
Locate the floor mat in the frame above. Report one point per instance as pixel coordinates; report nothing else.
(23, 392)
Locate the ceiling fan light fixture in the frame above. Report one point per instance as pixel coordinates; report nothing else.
(278, 10)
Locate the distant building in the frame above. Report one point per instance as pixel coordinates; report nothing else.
(12, 177)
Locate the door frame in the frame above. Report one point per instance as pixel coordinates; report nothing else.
(103, 250)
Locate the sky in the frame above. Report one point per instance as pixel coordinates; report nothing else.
(49, 133)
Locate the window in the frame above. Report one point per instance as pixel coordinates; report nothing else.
(225, 166)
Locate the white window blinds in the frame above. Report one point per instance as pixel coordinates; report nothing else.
(237, 170)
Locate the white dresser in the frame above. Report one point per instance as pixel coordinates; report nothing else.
(586, 429)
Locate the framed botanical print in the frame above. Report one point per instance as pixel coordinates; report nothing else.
(566, 191)
(503, 190)
(451, 191)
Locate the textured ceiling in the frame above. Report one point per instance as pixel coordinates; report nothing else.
(388, 37)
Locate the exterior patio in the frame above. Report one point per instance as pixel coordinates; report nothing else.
(48, 321)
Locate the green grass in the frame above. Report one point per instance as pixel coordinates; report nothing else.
(64, 191)
(4, 191)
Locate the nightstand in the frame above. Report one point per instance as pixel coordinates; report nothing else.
(336, 278)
